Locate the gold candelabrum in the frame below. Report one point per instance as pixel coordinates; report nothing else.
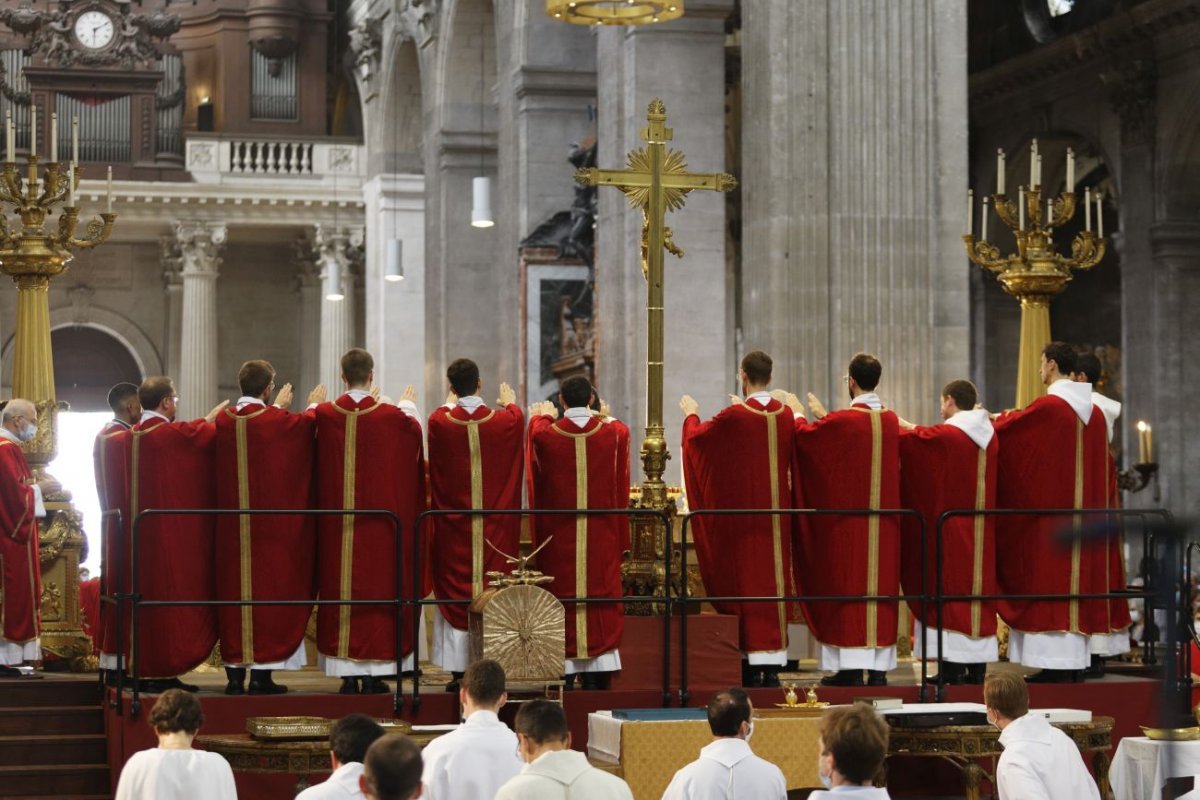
(32, 255)
(1035, 274)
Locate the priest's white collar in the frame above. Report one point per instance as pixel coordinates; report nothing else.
(763, 398)
(976, 424)
(121, 422)
(470, 403)
(358, 395)
(580, 415)
(246, 400)
(1111, 409)
(1077, 395)
(868, 399)
(147, 414)
(7, 434)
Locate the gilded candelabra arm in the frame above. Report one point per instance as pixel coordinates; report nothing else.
(1006, 210)
(1063, 209)
(56, 183)
(984, 253)
(11, 192)
(1087, 250)
(67, 220)
(95, 232)
(6, 239)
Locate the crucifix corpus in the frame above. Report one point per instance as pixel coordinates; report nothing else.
(656, 181)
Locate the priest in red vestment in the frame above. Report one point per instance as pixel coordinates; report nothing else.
(945, 467)
(369, 456)
(850, 459)
(112, 490)
(20, 507)
(475, 461)
(264, 460)
(1115, 641)
(575, 462)
(171, 467)
(1053, 454)
(743, 458)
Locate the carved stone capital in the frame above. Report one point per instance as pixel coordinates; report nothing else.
(1131, 86)
(172, 261)
(366, 46)
(416, 20)
(200, 245)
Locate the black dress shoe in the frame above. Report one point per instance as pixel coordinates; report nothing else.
(349, 685)
(1096, 670)
(844, 677)
(975, 674)
(236, 676)
(160, 685)
(569, 682)
(9, 672)
(876, 677)
(453, 685)
(261, 683)
(770, 678)
(756, 679)
(1052, 676)
(373, 685)
(589, 681)
(953, 674)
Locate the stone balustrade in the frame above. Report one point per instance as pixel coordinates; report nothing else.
(223, 159)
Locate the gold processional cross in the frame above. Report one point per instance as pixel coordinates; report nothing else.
(655, 181)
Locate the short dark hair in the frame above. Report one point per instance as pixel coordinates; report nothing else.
(857, 738)
(351, 735)
(463, 374)
(176, 710)
(1007, 693)
(727, 710)
(484, 681)
(963, 393)
(154, 391)
(1089, 365)
(356, 366)
(866, 371)
(756, 366)
(542, 721)
(576, 391)
(119, 395)
(254, 377)
(1061, 354)
(392, 768)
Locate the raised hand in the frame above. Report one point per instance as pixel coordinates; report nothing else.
(688, 405)
(507, 395)
(283, 399)
(605, 410)
(814, 405)
(212, 415)
(375, 393)
(317, 395)
(410, 394)
(451, 399)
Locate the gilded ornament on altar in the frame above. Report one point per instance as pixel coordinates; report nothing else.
(51, 601)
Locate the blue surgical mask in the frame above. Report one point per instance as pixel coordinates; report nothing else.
(749, 730)
(826, 780)
(28, 432)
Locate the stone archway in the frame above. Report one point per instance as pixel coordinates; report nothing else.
(88, 361)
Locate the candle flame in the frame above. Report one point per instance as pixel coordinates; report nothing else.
(1142, 426)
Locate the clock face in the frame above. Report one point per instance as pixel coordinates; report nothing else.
(94, 29)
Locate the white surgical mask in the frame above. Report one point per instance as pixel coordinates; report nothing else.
(991, 721)
(826, 780)
(749, 730)
(28, 432)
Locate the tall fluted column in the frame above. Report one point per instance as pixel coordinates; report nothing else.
(172, 264)
(200, 246)
(336, 251)
(308, 287)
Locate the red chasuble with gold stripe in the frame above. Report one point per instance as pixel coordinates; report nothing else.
(942, 469)
(369, 456)
(475, 461)
(171, 466)
(742, 458)
(1050, 459)
(850, 459)
(264, 460)
(110, 456)
(573, 467)
(21, 594)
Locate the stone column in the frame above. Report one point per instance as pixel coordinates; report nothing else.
(200, 246)
(855, 172)
(308, 287)
(698, 341)
(172, 263)
(335, 251)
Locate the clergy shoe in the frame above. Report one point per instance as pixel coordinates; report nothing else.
(261, 683)
(953, 673)
(160, 685)
(756, 679)
(589, 681)
(770, 678)
(1096, 670)
(349, 685)
(749, 673)
(844, 677)
(373, 685)
(975, 674)
(876, 677)
(569, 682)
(453, 685)
(1052, 676)
(236, 676)
(9, 672)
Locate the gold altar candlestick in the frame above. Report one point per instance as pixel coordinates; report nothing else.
(1035, 274)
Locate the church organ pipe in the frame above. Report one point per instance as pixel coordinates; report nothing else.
(170, 120)
(14, 62)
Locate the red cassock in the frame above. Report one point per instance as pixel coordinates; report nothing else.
(941, 468)
(850, 459)
(264, 460)
(1050, 459)
(573, 467)
(369, 456)
(20, 596)
(110, 455)
(171, 466)
(475, 461)
(743, 458)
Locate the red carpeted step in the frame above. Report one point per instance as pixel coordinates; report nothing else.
(53, 780)
(89, 748)
(47, 721)
(50, 692)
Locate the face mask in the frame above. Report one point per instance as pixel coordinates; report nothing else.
(826, 780)
(992, 722)
(28, 432)
(749, 731)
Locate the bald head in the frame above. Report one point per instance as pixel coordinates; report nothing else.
(20, 418)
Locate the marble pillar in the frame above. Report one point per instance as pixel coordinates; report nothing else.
(854, 146)
(308, 288)
(336, 251)
(200, 245)
(698, 337)
(172, 264)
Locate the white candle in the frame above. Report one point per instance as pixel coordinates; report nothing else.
(1032, 162)
(1021, 209)
(970, 209)
(999, 172)
(1049, 211)
(1087, 209)
(110, 190)
(983, 222)
(1070, 170)
(32, 130)
(1141, 429)
(9, 135)
(71, 185)
(1099, 217)
(54, 137)
(75, 140)
(1039, 172)
(1150, 443)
